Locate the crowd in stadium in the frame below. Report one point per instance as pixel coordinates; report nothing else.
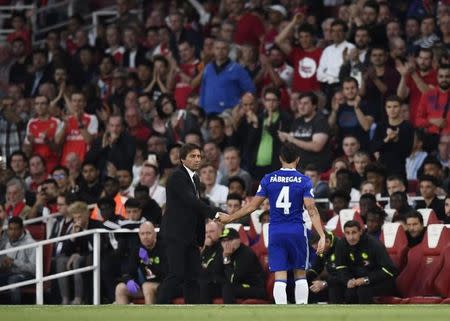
(91, 125)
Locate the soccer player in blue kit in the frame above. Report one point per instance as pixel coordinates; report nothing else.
(288, 191)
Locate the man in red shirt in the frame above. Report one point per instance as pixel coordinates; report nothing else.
(186, 72)
(79, 130)
(304, 59)
(41, 133)
(249, 27)
(416, 80)
(433, 109)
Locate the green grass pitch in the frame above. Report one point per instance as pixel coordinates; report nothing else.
(222, 313)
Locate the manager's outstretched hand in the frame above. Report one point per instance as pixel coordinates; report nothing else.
(222, 218)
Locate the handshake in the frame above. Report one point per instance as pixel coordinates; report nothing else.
(223, 218)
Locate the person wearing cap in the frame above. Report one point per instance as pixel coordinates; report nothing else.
(288, 192)
(244, 276)
(322, 275)
(275, 14)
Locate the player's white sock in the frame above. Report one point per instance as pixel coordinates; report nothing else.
(279, 292)
(301, 291)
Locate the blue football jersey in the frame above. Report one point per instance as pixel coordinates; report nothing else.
(285, 189)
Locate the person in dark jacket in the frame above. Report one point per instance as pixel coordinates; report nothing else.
(115, 148)
(322, 277)
(415, 230)
(244, 276)
(183, 227)
(263, 141)
(76, 252)
(146, 268)
(363, 265)
(211, 273)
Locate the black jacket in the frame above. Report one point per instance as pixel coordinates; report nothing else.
(212, 263)
(244, 269)
(368, 258)
(120, 154)
(325, 266)
(185, 215)
(139, 59)
(83, 245)
(254, 137)
(154, 270)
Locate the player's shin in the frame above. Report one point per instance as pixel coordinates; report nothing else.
(301, 291)
(279, 292)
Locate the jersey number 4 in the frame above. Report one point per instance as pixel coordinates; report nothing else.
(283, 200)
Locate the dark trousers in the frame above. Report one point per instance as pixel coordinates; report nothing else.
(231, 292)
(184, 268)
(209, 290)
(364, 294)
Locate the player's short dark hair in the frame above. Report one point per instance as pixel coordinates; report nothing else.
(312, 168)
(106, 201)
(403, 196)
(237, 179)
(414, 214)
(16, 220)
(339, 22)
(186, 149)
(352, 223)
(394, 98)
(272, 90)
(307, 28)
(288, 153)
(312, 97)
(339, 194)
(132, 203)
(372, 4)
(368, 196)
(350, 79)
(61, 168)
(428, 178)
(234, 196)
(378, 212)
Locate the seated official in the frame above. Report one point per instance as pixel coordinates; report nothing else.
(146, 268)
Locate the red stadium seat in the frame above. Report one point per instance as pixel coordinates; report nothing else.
(389, 215)
(442, 280)
(37, 231)
(424, 263)
(394, 238)
(242, 234)
(446, 301)
(429, 216)
(345, 216)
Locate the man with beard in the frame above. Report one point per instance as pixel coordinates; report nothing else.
(355, 59)
(433, 108)
(416, 79)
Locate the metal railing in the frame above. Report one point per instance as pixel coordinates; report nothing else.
(39, 278)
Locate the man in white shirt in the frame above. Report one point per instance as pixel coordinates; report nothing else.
(149, 177)
(333, 56)
(215, 192)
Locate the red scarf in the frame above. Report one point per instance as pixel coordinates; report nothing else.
(16, 210)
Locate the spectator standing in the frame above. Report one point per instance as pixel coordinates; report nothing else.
(223, 81)
(393, 139)
(42, 133)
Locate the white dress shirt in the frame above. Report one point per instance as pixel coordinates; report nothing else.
(331, 62)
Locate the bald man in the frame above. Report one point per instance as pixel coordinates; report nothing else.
(146, 268)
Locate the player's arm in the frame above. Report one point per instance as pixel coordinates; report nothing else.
(310, 206)
(247, 209)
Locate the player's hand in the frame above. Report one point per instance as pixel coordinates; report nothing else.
(321, 245)
(223, 218)
(359, 282)
(351, 284)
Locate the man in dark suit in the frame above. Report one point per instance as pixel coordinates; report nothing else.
(183, 227)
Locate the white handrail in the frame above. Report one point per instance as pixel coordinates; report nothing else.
(39, 271)
(37, 219)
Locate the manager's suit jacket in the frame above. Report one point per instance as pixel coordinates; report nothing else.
(184, 219)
